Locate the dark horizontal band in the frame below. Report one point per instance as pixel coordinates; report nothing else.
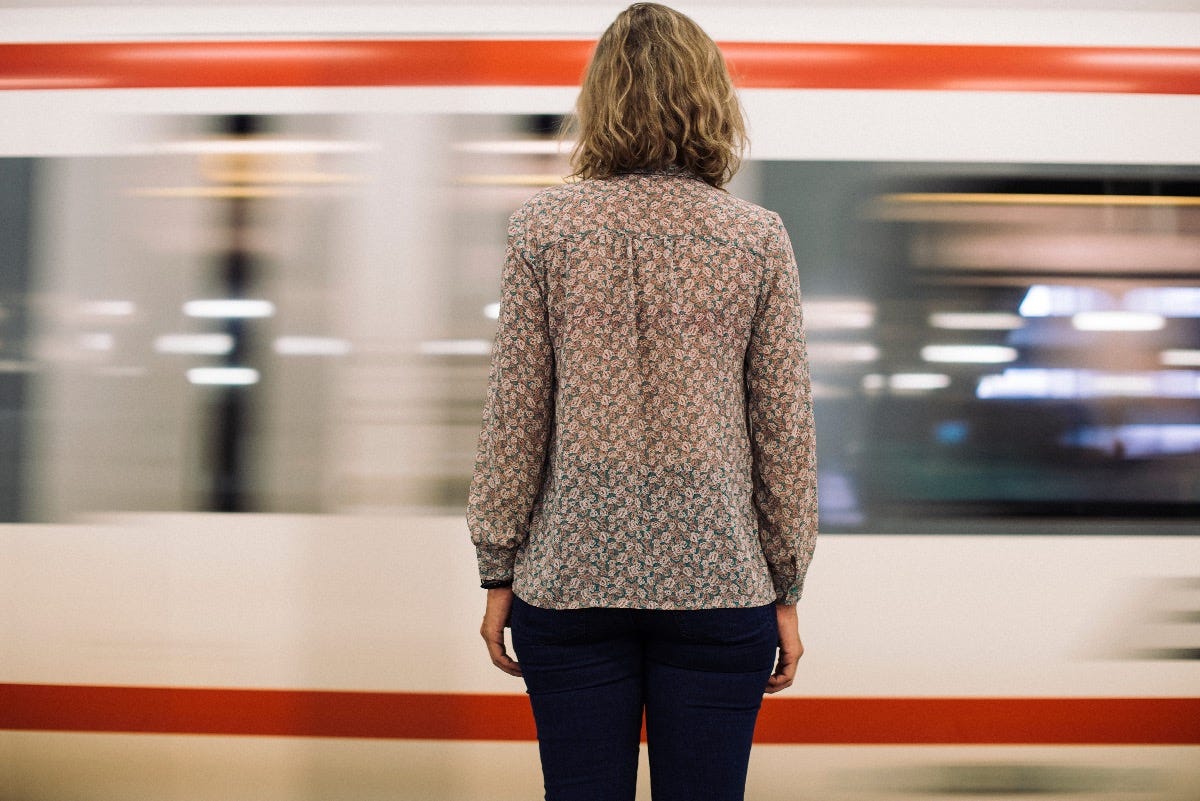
(496, 584)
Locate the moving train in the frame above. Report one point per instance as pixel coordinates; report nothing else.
(248, 283)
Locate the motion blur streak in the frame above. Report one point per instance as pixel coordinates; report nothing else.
(513, 62)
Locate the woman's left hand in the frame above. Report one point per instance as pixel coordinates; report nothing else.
(495, 618)
(790, 648)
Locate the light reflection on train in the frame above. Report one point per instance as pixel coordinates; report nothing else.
(289, 316)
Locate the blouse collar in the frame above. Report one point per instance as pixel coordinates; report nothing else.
(670, 169)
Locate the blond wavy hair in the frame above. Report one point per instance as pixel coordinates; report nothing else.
(657, 94)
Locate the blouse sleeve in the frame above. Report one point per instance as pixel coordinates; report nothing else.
(517, 418)
(780, 420)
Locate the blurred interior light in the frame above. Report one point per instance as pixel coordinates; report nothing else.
(311, 346)
(969, 354)
(255, 145)
(224, 376)
(518, 147)
(976, 321)
(1139, 440)
(1032, 382)
(1180, 358)
(532, 180)
(1058, 251)
(841, 501)
(108, 308)
(1141, 306)
(16, 366)
(206, 344)
(285, 177)
(229, 307)
(918, 382)
(834, 313)
(1169, 301)
(215, 192)
(456, 347)
(492, 311)
(1041, 199)
(273, 168)
(952, 432)
(313, 177)
(842, 351)
(1122, 385)
(873, 382)
(120, 371)
(96, 341)
(1117, 321)
(1044, 300)
(1040, 382)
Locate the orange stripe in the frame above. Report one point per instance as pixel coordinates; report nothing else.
(450, 716)
(286, 713)
(991, 721)
(474, 62)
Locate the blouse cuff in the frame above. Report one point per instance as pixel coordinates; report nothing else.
(495, 563)
(495, 584)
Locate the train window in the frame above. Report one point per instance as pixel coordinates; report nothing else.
(16, 251)
(997, 343)
(184, 352)
(991, 344)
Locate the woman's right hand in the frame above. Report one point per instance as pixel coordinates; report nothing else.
(790, 648)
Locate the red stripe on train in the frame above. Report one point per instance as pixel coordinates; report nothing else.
(477, 62)
(454, 716)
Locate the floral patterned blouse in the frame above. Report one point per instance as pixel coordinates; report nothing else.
(647, 435)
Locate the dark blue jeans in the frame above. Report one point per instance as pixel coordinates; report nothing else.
(698, 674)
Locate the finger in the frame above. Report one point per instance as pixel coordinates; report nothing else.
(501, 659)
(778, 681)
(785, 673)
(507, 665)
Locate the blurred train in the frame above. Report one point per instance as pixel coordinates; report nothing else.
(249, 277)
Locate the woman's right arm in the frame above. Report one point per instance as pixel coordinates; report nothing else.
(517, 418)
